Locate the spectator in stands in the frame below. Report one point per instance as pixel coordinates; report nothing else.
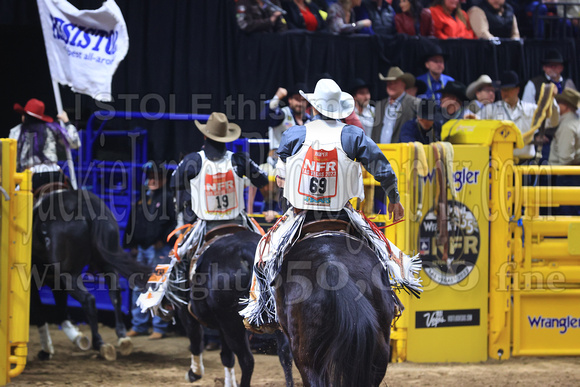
(511, 108)
(417, 87)
(362, 107)
(380, 13)
(453, 100)
(434, 78)
(280, 119)
(413, 19)
(424, 128)
(303, 15)
(481, 92)
(151, 220)
(257, 16)
(342, 18)
(493, 19)
(565, 147)
(38, 138)
(393, 111)
(553, 66)
(450, 21)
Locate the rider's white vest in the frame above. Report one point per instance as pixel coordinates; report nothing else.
(217, 192)
(320, 176)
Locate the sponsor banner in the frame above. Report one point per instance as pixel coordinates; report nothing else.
(447, 318)
(84, 47)
(562, 324)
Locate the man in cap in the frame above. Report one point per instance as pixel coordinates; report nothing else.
(214, 177)
(481, 92)
(363, 109)
(434, 78)
(511, 108)
(424, 128)
(316, 191)
(151, 220)
(552, 66)
(453, 100)
(565, 147)
(37, 139)
(393, 111)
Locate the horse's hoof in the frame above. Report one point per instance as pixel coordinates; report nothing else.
(83, 342)
(125, 346)
(108, 352)
(43, 355)
(191, 377)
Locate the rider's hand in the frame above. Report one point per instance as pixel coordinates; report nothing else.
(270, 216)
(396, 209)
(63, 117)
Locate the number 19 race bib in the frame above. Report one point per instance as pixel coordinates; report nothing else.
(220, 192)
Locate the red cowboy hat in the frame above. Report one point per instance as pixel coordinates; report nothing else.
(34, 108)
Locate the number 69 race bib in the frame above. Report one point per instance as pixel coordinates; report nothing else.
(318, 177)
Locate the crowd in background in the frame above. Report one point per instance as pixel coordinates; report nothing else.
(442, 19)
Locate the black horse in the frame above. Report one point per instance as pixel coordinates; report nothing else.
(335, 304)
(222, 278)
(73, 229)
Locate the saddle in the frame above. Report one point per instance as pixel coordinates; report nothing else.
(222, 230)
(326, 225)
(45, 189)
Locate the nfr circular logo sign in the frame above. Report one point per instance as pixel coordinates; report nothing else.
(449, 263)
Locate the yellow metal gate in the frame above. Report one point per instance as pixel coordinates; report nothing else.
(15, 245)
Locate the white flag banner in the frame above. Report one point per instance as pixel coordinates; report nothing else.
(84, 47)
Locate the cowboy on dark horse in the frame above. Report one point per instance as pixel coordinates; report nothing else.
(319, 168)
(38, 136)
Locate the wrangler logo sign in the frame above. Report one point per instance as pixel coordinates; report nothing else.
(562, 323)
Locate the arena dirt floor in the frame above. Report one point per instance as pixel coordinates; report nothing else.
(164, 362)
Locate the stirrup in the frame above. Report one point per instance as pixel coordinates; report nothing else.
(269, 328)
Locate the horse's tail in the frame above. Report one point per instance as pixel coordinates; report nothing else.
(106, 242)
(351, 340)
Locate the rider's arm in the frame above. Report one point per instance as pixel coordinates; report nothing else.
(361, 148)
(291, 141)
(187, 169)
(72, 133)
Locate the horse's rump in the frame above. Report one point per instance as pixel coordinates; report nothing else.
(222, 276)
(335, 303)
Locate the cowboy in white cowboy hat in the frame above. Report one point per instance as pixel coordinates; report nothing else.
(480, 92)
(38, 136)
(320, 169)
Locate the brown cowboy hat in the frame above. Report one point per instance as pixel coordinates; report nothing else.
(569, 96)
(34, 108)
(395, 73)
(219, 129)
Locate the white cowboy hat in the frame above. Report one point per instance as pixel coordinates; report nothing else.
(219, 129)
(474, 86)
(329, 100)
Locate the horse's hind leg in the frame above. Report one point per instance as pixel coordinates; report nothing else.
(285, 355)
(194, 332)
(38, 315)
(235, 341)
(124, 343)
(87, 301)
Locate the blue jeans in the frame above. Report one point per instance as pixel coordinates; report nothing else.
(140, 321)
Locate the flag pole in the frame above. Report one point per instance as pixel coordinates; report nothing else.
(59, 108)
